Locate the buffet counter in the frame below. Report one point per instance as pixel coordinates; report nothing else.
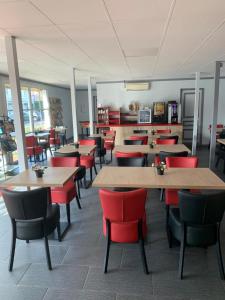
(123, 131)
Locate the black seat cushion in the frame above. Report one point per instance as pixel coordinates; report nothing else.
(33, 229)
(196, 235)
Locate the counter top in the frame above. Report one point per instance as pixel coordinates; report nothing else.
(137, 124)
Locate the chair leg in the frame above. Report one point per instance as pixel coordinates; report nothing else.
(27, 241)
(68, 213)
(13, 246)
(78, 202)
(142, 248)
(162, 195)
(168, 231)
(107, 245)
(95, 169)
(182, 250)
(47, 253)
(100, 161)
(78, 188)
(91, 174)
(59, 232)
(50, 150)
(219, 255)
(111, 156)
(217, 161)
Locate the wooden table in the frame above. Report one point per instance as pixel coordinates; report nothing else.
(147, 177)
(108, 136)
(221, 141)
(147, 150)
(83, 150)
(53, 177)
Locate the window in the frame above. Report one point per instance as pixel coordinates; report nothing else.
(35, 108)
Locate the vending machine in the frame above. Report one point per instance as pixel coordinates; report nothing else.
(174, 112)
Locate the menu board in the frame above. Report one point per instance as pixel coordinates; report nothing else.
(144, 116)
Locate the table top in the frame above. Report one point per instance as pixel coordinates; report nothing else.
(147, 177)
(147, 150)
(108, 136)
(53, 177)
(221, 141)
(83, 150)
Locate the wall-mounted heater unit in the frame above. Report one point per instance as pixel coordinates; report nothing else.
(137, 86)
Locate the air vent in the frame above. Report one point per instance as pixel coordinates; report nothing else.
(137, 86)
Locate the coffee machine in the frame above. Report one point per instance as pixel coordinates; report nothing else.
(159, 112)
(174, 112)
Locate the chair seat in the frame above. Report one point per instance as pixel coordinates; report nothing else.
(54, 141)
(34, 150)
(35, 228)
(126, 232)
(197, 235)
(64, 194)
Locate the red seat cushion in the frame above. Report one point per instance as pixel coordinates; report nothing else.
(54, 141)
(64, 194)
(87, 161)
(34, 150)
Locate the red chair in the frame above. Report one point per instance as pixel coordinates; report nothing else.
(124, 219)
(88, 161)
(109, 144)
(128, 154)
(65, 194)
(163, 131)
(143, 138)
(165, 142)
(33, 149)
(54, 140)
(171, 195)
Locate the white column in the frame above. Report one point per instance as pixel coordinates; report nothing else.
(196, 114)
(11, 53)
(74, 105)
(90, 105)
(215, 113)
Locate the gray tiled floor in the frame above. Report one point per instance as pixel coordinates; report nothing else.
(78, 261)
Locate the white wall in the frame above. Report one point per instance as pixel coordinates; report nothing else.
(114, 94)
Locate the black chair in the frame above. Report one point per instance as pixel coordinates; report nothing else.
(220, 151)
(81, 173)
(100, 151)
(32, 216)
(141, 131)
(162, 157)
(130, 161)
(133, 142)
(197, 223)
(170, 137)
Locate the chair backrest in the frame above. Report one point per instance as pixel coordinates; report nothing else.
(163, 131)
(26, 205)
(165, 142)
(143, 138)
(130, 161)
(88, 142)
(128, 154)
(141, 131)
(72, 154)
(64, 161)
(123, 206)
(201, 209)
(164, 154)
(98, 139)
(133, 142)
(52, 133)
(173, 137)
(182, 162)
(31, 141)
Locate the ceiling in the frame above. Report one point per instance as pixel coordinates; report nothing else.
(113, 39)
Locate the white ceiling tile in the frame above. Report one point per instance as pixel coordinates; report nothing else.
(72, 11)
(192, 21)
(20, 14)
(133, 10)
(141, 65)
(52, 41)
